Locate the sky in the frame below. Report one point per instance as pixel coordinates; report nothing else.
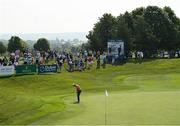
(59, 16)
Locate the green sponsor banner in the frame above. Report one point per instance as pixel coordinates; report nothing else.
(23, 69)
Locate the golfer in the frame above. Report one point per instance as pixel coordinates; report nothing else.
(78, 91)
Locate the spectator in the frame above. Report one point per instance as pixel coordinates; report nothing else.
(104, 60)
(70, 64)
(90, 61)
(5, 61)
(59, 61)
(98, 61)
(1, 61)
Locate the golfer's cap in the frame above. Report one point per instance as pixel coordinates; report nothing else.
(74, 84)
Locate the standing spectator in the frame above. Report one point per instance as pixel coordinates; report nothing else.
(80, 64)
(38, 55)
(12, 58)
(119, 50)
(109, 50)
(5, 61)
(94, 54)
(85, 62)
(59, 61)
(90, 61)
(85, 54)
(70, 64)
(1, 61)
(104, 60)
(98, 61)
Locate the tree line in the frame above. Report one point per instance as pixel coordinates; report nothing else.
(150, 30)
(16, 43)
(42, 45)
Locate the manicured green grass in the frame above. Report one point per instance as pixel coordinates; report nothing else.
(139, 93)
(142, 108)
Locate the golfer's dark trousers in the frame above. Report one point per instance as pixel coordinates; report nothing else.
(78, 96)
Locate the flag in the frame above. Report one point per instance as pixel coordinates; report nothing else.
(106, 93)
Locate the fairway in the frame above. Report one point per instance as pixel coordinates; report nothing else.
(139, 94)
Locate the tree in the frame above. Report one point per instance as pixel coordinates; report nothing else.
(128, 19)
(102, 32)
(85, 46)
(171, 15)
(2, 48)
(145, 40)
(151, 30)
(138, 12)
(16, 43)
(161, 26)
(42, 45)
(124, 31)
(174, 33)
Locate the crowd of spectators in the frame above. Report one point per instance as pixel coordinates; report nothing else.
(79, 60)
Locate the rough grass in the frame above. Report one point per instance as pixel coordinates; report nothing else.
(134, 90)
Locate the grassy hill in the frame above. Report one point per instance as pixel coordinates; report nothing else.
(139, 93)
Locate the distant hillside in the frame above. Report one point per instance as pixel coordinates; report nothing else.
(50, 36)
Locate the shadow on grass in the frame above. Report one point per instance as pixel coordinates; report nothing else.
(17, 75)
(6, 76)
(48, 73)
(135, 61)
(139, 61)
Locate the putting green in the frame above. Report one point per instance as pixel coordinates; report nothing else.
(141, 108)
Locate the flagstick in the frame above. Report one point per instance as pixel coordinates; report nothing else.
(106, 94)
(105, 110)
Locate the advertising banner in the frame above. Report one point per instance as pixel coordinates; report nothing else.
(116, 47)
(6, 70)
(23, 69)
(47, 68)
